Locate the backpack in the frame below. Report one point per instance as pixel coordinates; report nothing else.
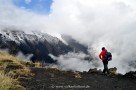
(108, 56)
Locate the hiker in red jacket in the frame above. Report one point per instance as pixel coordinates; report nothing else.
(105, 62)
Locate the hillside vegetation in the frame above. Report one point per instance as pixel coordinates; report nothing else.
(11, 69)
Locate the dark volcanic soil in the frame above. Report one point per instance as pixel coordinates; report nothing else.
(53, 79)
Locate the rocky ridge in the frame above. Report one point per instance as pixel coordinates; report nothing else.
(53, 79)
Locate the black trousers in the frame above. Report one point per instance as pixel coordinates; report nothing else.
(105, 64)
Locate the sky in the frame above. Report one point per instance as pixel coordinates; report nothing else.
(37, 6)
(96, 23)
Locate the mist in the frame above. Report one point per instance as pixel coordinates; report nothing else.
(95, 23)
(74, 61)
(24, 57)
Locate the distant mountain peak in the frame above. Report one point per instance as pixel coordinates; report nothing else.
(39, 44)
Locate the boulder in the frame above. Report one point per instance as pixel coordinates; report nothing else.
(113, 71)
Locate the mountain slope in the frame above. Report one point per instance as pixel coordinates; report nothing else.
(38, 44)
(75, 44)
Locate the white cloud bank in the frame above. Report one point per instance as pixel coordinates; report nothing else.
(97, 23)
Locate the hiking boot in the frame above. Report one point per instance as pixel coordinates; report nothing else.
(103, 73)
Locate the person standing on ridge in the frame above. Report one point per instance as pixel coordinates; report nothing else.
(102, 56)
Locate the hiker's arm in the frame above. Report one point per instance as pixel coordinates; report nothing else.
(100, 55)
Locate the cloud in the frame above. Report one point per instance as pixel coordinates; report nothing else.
(96, 23)
(12, 16)
(24, 57)
(73, 61)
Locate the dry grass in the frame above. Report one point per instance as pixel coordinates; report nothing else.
(14, 66)
(7, 83)
(10, 69)
(38, 64)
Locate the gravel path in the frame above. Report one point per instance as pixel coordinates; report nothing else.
(52, 79)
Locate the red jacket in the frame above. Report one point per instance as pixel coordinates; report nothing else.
(102, 54)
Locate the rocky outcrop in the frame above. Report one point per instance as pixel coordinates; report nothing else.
(131, 74)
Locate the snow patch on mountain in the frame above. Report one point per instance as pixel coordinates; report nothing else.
(59, 37)
(20, 36)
